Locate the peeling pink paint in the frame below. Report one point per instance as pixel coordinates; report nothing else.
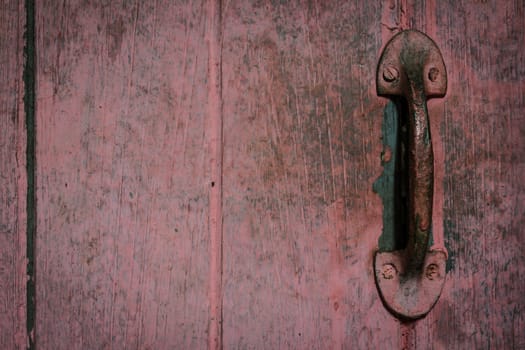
(142, 105)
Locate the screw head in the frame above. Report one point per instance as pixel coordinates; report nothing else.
(389, 271)
(432, 272)
(433, 74)
(390, 74)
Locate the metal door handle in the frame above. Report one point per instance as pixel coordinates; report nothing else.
(410, 280)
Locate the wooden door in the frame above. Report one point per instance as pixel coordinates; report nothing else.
(200, 174)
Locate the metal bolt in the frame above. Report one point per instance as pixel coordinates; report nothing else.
(433, 74)
(390, 74)
(389, 271)
(432, 272)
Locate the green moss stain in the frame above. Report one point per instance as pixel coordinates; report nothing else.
(29, 109)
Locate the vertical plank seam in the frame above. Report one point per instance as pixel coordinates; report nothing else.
(214, 36)
(30, 123)
(20, 334)
(405, 14)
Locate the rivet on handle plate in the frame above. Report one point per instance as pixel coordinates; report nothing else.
(410, 280)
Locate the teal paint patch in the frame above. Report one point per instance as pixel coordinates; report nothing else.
(29, 110)
(451, 235)
(392, 185)
(387, 186)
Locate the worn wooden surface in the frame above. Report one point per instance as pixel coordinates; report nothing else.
(482, 129)
(134, 182)
(301, 151)
(122, 249)
(300, 220)
(12, 178)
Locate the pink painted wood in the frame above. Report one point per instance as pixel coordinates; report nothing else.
(301, 148)
(123, 175)
(12, 179)
(480, 130)
(205, 175)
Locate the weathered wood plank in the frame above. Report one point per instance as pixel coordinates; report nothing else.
(123, 175)
(282, 96)
(481, 126)
(12, 179)
(302, 145)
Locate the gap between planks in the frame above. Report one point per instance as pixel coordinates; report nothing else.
(215, 143)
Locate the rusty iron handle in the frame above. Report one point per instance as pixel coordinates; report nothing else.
(420, 172)
(411, 66)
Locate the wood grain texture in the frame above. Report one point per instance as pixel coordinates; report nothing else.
(153, 234)
(481, 127)
(301, 155)
(123, 175)
(215, 126)
(302, 145)
(12, 179)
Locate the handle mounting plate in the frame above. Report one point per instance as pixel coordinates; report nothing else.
(412, 55)
(407, 294)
